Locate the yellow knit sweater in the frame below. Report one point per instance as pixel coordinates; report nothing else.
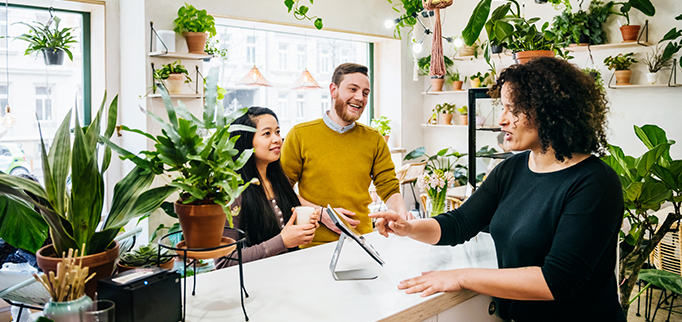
(337, 169)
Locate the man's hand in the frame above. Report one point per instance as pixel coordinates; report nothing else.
(391, 222)
(327, 221)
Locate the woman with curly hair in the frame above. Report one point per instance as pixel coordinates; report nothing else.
(554, 210)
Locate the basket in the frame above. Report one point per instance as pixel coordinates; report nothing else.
(666, 255)
(440, 4)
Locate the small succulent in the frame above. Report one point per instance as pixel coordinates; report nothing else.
(145, 256)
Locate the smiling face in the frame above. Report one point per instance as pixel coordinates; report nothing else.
(519, 135)
(350, 97)
(267, 143)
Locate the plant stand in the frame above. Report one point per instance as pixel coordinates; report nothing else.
(241, 243)
(672, 80)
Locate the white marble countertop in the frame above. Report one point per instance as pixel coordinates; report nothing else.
(298, 286)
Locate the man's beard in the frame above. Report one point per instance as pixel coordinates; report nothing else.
(340, 108)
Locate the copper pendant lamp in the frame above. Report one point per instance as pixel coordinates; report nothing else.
(306, 81)
(254, 78)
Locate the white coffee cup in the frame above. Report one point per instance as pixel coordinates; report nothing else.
(303, 214)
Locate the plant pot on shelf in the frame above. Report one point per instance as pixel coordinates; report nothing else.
(202, 225)
(623, 77)
(464, 120)
(445, 119)
(475, 82)
(101, 263)
(652, 78)
(437, 83)
(386, 138)
(196, 42)
(496, 49)
(174, 83)
(457, 85)
(53, 56)
(630, 32)
(523, 57)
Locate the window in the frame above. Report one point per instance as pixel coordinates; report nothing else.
(300, 106)
(301, 57)
(225, 42)
(43, 103)
(3, 29)
(324, 103)
(283, 106)
(283, 52)
(3, 99)
(283, 56)
(251, 49)
(345, 55)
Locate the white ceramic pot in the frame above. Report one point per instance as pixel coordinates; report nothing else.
(652, 78)
(174, 83)
(480, 120)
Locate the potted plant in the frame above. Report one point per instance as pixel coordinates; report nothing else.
(381, 125)
(648, 182)
(200, 157)
(628, 31)
(463, 115)
(446, 110)
(409, 10)
(51, 208)
(595, 74)
(454, 79)
(655, 62)
(195, 25)
(214, 49)
(478, 79)
(53, 43)
(672, 47)
(146, 256)
(621, 64)
(174, 75)
(424, 65)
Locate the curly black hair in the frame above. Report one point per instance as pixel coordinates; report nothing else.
(561, 102)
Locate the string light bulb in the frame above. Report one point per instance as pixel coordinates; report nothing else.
(8, 120)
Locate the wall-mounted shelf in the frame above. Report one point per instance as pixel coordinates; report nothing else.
(645, 86)
(490, 129)
(463, 91)
(177, 96)
(445, 126)
(179, 55)
(503, 155)
(397, 150)
(625, 45)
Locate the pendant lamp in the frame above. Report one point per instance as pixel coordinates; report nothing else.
(254, 78)
(306, 81)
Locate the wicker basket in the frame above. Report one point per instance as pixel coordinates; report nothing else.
(440, 4)
(666, 255)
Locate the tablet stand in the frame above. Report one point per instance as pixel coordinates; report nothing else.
(348, 275)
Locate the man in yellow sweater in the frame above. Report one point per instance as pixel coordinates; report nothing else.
(334, 159)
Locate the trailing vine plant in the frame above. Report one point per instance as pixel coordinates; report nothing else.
(301, 12)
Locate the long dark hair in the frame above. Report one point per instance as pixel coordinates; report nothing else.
(258, 220)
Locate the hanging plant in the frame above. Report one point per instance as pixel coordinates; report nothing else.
(53, 43)
(301, 12)
(408, 9)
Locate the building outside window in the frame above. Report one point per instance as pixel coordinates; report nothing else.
(324, 103)
(283, 105)
(3, 99)
(300, 106)
(301, 57)
(251, 49)
(3, 29)
(283, 56)
(325, 61)
(43, 103)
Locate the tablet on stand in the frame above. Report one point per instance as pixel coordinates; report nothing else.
(347, 231)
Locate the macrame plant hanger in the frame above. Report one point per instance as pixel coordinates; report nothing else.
(437, 61)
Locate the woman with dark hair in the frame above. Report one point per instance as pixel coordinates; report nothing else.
(265, 210)
(554, 211)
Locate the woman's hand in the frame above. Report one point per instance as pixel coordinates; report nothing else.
(391, 222)
(296, 235)
(433, 282)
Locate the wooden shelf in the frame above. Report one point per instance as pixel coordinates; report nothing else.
(397, 150)
(179, 55)
(644, 86)
(490, 129)
(503, 155)
(445, 126)
(624, 45)
(463, 91)
(178, 96)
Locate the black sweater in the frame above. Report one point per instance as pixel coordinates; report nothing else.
(566, 222)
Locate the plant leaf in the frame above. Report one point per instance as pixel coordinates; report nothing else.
(415, 154)
(20, 225)
(476, 22)
(665, 280)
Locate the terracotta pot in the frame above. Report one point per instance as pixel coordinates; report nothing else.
(102, 263)
(437, 83)
(475, 82)
(196, 41)
(457, 85)
(167, 265)
(464, 119)
(445, 119)
(523, 57)
(630, 33)
(386, 138)
(202, 225)
(174, 83)
(623, 77)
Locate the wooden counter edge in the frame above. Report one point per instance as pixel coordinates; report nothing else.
(431, 307)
